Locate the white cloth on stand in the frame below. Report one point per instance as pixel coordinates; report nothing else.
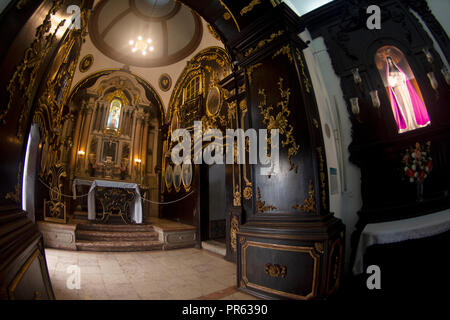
(136, 207)
(400, 230)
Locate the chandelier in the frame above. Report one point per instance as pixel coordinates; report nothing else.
(141, 45)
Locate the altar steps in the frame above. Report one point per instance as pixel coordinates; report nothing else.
(117, 246)
(114, 238)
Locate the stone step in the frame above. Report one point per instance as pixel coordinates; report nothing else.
(93, 235)
(118, 246)
(92, 226)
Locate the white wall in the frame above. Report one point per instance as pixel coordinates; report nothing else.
(441, 10)
(346, 202)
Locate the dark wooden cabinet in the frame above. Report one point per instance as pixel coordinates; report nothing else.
(292, 262)
(23, 268)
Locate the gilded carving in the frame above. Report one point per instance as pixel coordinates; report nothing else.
(55, 208)
(250, 7)
(237, 197)
(22, 83)
(228, 15)
(280, 121)
(234, 229)
(319, 247)
(276, 271)
(309, 205)
(250, 72)
(264, 42)
(286, 50)
(213, 32)
(322, 177)
(305, 78)
(248, 193)
(261, 205)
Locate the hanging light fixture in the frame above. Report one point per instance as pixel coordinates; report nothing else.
(141, 45)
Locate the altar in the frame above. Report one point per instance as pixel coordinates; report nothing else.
(113, 200)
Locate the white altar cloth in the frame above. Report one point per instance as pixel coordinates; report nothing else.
(400, 230)
(136, 207)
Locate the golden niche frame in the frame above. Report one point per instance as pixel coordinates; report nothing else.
(186, 176)
(177, 177)
(168, 174)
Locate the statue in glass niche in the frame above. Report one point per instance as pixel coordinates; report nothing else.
(114, 114)
(408, 108)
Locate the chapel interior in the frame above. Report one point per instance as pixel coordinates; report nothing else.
(93, 204)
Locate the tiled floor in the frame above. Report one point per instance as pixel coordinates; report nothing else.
(182, 274)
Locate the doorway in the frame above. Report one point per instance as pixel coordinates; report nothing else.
(213, 214)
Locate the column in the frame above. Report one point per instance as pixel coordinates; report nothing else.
(85, 131)
(137, 141)
(76, 141)
(144, 148)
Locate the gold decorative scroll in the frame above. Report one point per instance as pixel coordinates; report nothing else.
(250, 7)
(280, 120)
(264, 42)
(261, 205)
(250, 72)
(322, 177)
(233, 231)
(286, 50)
(305, 78)
(22, 83)
(276, 271)
(228, 15)
(309, 205)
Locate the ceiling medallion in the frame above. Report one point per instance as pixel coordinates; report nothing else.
(86, 63)
(165, 82)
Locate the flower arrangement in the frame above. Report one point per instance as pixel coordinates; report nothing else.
(418, 162)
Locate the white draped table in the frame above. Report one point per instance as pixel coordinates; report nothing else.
(136, 207)
(400, 230)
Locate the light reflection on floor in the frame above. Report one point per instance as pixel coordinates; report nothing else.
(155, 275)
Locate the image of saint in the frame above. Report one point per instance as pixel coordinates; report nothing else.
(408, 107)
(114, 114)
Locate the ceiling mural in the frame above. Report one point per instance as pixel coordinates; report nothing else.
(145, 33)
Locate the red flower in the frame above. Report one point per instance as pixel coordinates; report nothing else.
(430, 165)
(422, 175)
(410, 173)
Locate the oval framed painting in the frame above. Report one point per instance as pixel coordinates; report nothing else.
(86, 63)
(168, 177)
(213, 101)
(186, 175)
(165, 82)
(177, 177)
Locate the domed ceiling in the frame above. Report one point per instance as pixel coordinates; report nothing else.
(145, 33)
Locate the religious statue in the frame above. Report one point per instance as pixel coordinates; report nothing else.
(114, 114)
(408, 108)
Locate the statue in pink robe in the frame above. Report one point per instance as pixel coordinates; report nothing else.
(408, 108)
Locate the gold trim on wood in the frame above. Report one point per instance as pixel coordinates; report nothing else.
(228, 14)
(309, 205)
(276, 271)
(309, 250)
(249, 7)
(336, 265)
(278, 118)
(261, 205)
(15, 282)
(264, 42)
(233, 231)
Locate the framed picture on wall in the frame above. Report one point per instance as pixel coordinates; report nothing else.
(177, 177)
